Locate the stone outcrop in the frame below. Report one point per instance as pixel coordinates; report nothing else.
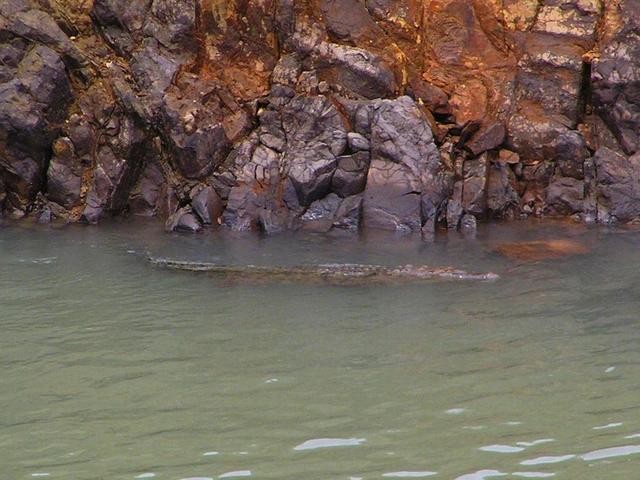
(271, 115)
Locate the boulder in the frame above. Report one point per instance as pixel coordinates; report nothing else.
(502, 196)
(320, 215)
(145, 199)
(64, 176)
(184, 220)
(207, 204)
(392, 198)
(405, 167)
(32, 105)
(316, 136)
(615, 77)
(488, 137)
(565, 196)
(618, 186)
(350, 176)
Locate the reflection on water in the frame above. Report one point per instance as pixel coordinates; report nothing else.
(110, 368)
(330, 442)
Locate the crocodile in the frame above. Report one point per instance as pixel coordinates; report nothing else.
(336, 272)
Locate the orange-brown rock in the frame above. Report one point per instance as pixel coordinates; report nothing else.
(110, 106)
(541, 250)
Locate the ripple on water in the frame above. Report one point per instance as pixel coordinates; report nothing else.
(501, 449)
(608, 425)
(409, 474)
(533, 474)
(329, 442)
(481, 475)
(535, 442)
(611, 452)
(455, 411)
(236, 474)
(547, 460)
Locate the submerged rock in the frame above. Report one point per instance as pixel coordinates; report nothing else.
(541, 250)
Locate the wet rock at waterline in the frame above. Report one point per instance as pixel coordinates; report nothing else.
(114, 108)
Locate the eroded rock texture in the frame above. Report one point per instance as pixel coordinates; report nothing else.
(272, 115)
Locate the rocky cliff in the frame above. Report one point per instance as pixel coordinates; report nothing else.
(404, 115)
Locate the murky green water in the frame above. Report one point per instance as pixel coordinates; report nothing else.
(113, 369)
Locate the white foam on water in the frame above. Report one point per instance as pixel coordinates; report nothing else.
(533, 474)
(235, 474)
(146, 475)
(329, 442)
(455, 411)
(635, 435)
(513, 424)
(409, 474)
(40, 474)
(210, 454)
(481, 475)
(535, 442)
(547, 460)
(609, 425)
(501, 449)
(611, 452)
(610, 369)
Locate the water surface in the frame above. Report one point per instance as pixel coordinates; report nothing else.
(113, 369)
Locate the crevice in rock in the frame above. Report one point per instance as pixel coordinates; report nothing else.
(584, 93)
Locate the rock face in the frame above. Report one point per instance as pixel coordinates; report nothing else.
(270, 115)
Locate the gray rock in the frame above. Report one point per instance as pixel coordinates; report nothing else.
(349, 214)
(358, 142)
(350, 176)
(64, 176)
(32, 106)
(565, 196)
(146, 198)
(502, 196)
(405, 167)
(392, 198)
(474, 196)
(207, 204)
(172, 23)
(618, 186)
(571, 151)
(320, 215)
(615, 77)
(118, 165)
(38, 26)
(316, 136)
(184, 220)
(287, 70)
(195, 151)
(469, 225)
